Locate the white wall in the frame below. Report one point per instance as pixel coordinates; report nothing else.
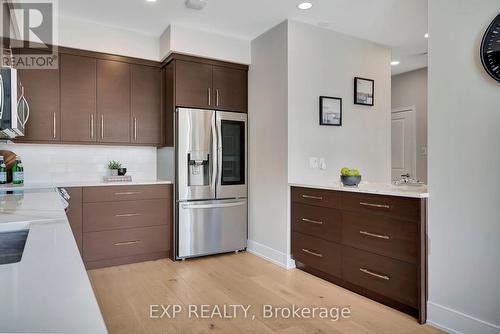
(267, 127)
(97, 37)
(323, 62)
(204, 44)
(410, 89)
(67, 163)
(464, 160)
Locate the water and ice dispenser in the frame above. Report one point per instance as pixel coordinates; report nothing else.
(198, 168)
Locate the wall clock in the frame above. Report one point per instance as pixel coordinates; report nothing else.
(490, 49)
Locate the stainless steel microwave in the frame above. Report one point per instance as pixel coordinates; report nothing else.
(12, 118)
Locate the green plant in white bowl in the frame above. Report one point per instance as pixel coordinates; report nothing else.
(113, 167)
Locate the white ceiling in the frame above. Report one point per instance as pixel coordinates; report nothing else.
(400, 24)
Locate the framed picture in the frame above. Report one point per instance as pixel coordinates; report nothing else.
(330, 111)
(363, 91)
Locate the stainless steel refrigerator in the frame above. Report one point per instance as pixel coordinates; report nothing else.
(211, 177)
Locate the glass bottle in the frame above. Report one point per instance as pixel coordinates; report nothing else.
(3, 171)
(18, 171)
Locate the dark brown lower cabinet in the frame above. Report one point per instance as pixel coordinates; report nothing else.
(121, 224)
(374, 245)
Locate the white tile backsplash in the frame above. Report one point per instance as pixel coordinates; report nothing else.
(62, 163)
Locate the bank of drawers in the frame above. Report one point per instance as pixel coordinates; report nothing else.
(124, 224)
(371, 241)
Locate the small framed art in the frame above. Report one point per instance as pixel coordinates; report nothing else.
(364, 91)
(330, 111)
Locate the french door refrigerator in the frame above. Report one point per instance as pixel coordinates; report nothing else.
(211, 192)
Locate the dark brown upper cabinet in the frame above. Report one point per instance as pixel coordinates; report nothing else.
(113, 101)
(41, 90)
(193, 85)
(204, 83)
(230, 88)
(145, 104)
(78, 99)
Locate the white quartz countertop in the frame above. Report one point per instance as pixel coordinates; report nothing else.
(415, 191)
(48, 291)
(90, 183)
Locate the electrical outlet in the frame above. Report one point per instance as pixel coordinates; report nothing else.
(322, 163)
(313, 162)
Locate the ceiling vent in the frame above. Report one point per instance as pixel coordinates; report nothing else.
(196, 4)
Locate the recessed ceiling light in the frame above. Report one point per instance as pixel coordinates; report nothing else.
(304, 5)
(395, 62)
(196, 4)
(426, 35)
(151, 0)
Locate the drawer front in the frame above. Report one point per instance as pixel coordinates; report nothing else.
(324, 223)
(118, 215)
(318, 197)
(391, 206)
(125, 193)
(121, 243)
(381, 235)
(391, 278)
(316, 253)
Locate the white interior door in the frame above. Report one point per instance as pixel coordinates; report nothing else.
(403, 143)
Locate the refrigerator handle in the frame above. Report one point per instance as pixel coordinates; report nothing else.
(219, 153)
(212, 206)
(1, 96)
(215, 166)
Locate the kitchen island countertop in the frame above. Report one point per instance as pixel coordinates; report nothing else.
(48, 291)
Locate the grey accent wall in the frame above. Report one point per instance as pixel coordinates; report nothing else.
(267, 132)
(410, 89)
(464, 161)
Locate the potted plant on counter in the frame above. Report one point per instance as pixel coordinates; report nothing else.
(113, 167)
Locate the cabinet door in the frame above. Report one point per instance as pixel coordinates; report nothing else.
(229, 88)
(41, 90)
(78, 99)
(74, 214)
(145, 90)
(113, 101)
(193, 85)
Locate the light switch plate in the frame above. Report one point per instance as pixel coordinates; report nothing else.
(313, 162)
(322, 163)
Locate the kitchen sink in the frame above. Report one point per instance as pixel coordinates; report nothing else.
(12, 246)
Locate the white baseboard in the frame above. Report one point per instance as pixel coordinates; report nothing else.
(454, 321)
(270, 254)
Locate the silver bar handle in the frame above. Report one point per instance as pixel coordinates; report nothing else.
(135, 128)
(317, 222)
(312, 253)
(91, 126)
(1, 96)
(319, 198)
(212, 206)
(217, 97)
(215, 157)
(124, 243)
(371, 273)
(128, 193)
(102, 126)
(373, 205)
(209, 96)
(54, 126)
(128, 215)
(380, 236)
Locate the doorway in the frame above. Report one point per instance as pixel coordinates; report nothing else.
(403, 143)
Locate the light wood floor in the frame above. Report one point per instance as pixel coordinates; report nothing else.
(125, 294)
